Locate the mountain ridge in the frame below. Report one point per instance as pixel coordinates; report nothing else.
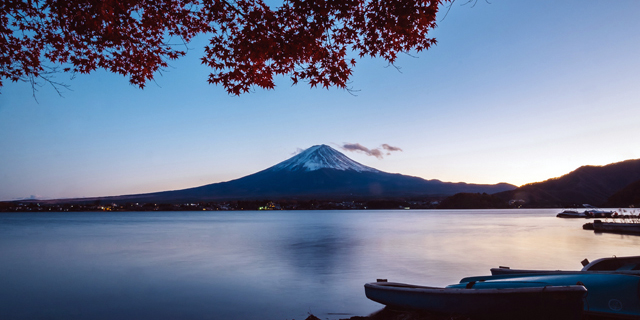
(319, 172)
(586, 184)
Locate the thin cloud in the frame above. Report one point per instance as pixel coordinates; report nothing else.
(390, 148)
(375, 152)
(358, 147)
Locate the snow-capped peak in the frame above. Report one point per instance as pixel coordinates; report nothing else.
(320, 157)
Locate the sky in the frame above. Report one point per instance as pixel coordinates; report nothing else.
(515, 91)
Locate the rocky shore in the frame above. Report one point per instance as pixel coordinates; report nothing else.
(393, 314)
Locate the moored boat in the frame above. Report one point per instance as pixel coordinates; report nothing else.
(572, 214)
(485, 300)
(590, 212)
(609, 294)
(613, 284)
(628, 265)
(598, 213)
(613, 227)
(615, 264)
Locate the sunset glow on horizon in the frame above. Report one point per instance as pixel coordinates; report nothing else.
(514, 92)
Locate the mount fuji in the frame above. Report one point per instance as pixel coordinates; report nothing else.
(319, 172)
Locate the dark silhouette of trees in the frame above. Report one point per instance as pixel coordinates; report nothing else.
(628, 196)
(473, 201)
(250, 41)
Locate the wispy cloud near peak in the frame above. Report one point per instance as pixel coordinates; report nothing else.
(375, 152)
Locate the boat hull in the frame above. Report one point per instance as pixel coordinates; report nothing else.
(529, 301)
(613, 227)
(579, 215)
(611, 294)
(628, 265)
(622, 265)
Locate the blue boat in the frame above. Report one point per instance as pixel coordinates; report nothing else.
(624, 265)
(613, 284)
(502, 300)
(612, 287)
(609, 294)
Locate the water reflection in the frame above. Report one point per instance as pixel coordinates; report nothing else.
(317, 252)
(265, 265)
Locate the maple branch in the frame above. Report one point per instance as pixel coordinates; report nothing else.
(448, 9)
(410, 55)
(391, 64)
(32, 79)
(352, 91)
(474, 3)
(251, 43)
(234, 9)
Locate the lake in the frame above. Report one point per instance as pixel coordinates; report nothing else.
(266, 264)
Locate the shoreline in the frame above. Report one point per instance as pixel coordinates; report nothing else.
(388, 313)
(398, 314)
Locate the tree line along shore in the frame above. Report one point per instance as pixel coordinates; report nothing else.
(457, 201)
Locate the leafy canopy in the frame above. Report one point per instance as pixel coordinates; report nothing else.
(250, 42)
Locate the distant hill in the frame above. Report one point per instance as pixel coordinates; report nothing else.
(319, 172)
(628, 196)
(473, 201)
(588, 184)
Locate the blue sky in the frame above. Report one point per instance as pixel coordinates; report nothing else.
(515, 91)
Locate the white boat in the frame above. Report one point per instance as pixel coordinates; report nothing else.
(590, 212)
(485, 300)
(571, 214)
(598, 213)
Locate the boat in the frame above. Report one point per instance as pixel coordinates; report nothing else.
(485, 300)
(589, 213)
(594, 212)
(572, 214)
(609, 294)
(626, 265)
(598, 213)
(613, 227)
(613, 284)
(629, 265)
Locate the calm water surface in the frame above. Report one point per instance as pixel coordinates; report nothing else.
(266, 265)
